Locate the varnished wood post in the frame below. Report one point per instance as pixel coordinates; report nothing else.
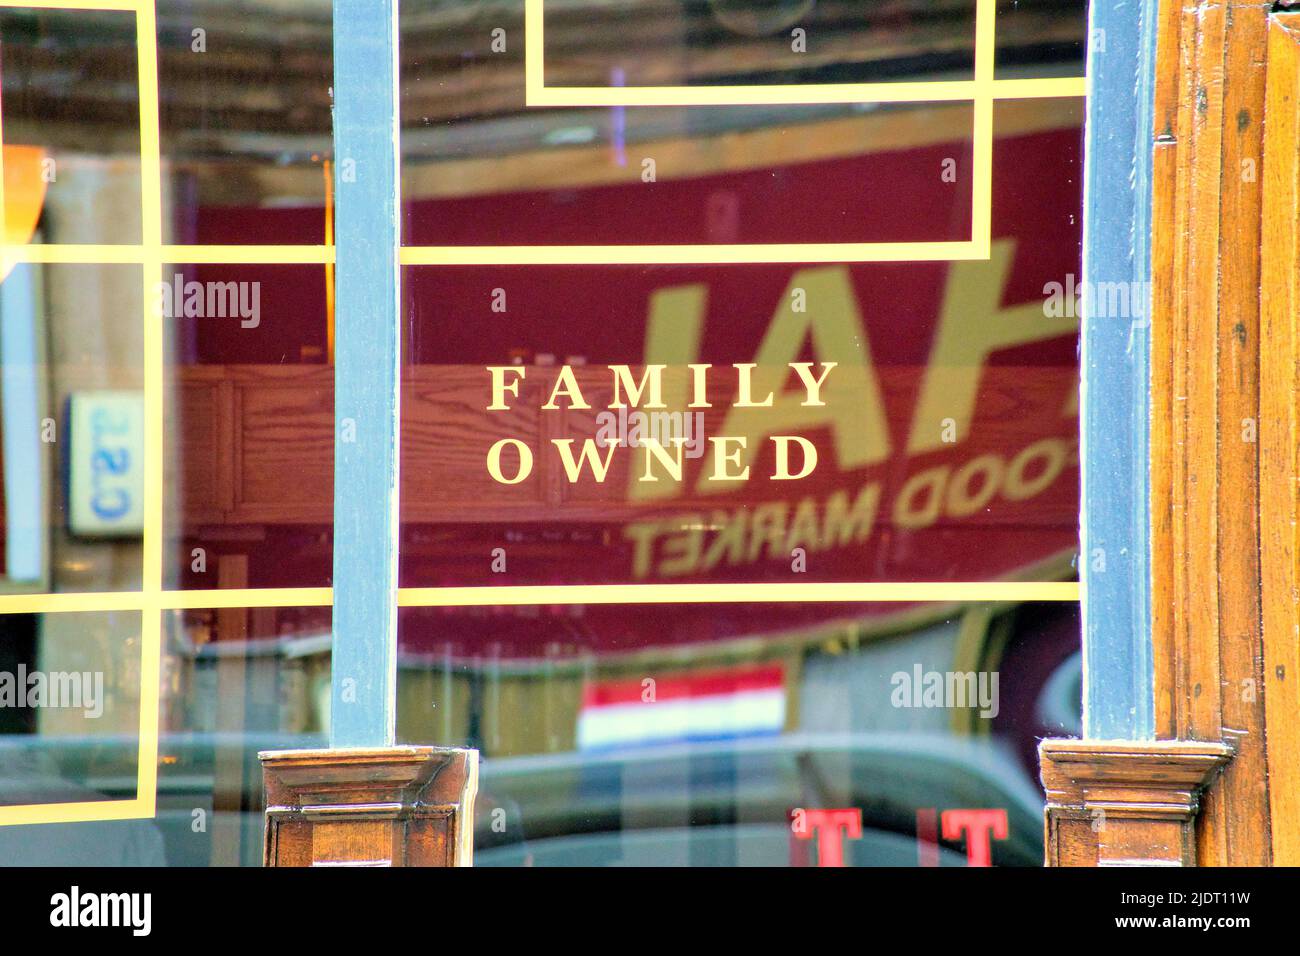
(1279, 434)
(1205, 411)
(390, 806)
(1125, 803)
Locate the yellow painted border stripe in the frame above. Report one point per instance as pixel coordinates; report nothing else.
(925, 91)
(771, 95)
(108, 254)
(84, 812)
(981, 91)
(982, 134)
(124, 6)
(155, 366)
(765, 593)
(537, 93)
(559, 594)
(721, 254)
(1040, 87)
(89, 602)
(60, 603)
(250, 255)
(143, 804)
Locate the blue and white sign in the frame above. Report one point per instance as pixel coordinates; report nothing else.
(106, 464)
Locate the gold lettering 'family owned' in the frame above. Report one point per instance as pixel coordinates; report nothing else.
(661, 460)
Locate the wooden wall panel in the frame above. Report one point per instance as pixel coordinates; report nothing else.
(283, 442)
(445, 430)
(196, 473)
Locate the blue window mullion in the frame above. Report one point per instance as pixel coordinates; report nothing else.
(366, 373)
(1114, 426)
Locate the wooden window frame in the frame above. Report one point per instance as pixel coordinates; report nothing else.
(1216, 778)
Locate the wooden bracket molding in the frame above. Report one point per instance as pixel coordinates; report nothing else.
(1125, 802)
(390, 806)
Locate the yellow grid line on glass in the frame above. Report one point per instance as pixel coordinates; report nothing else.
(981, 91)
(114, 254)
(863, 592)
(152, 600)
(148, 255)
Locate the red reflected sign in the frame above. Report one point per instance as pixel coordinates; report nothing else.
(945, 448)
(829, 829)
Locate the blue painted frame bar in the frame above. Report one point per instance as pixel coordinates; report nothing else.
(20, 404)
(366, 373)
(1115, 562)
